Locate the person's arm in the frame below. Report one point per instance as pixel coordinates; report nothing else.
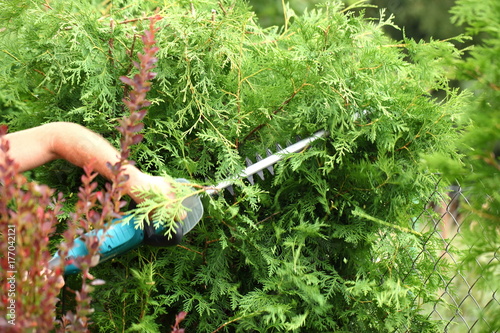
(78, 145)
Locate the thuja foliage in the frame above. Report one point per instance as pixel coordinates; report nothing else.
(479, 173)
(326, 243)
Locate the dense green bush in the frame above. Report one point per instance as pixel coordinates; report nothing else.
(323, 245)
(479, 172)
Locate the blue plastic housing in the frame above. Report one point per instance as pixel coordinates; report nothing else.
(120, 238)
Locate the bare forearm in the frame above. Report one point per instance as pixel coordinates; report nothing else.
(76, 144)
(80, 146)
(36, 146)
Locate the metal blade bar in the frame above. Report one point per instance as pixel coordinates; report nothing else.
(267, 162)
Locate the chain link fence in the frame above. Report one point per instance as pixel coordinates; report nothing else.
(466, 302)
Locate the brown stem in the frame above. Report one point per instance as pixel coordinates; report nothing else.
(280, 108)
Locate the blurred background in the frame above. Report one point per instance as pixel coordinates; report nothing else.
(420, 19)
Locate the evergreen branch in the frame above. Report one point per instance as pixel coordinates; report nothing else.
(362, 214)
(358, 4)
(13, 56)
(285, 16)
(482, 213)
(236, 319)
(155, 17)
(276, 111)
(190, 250)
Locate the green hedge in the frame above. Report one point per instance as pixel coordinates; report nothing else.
(325, 244)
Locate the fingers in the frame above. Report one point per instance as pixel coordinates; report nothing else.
(182, 215)
(142, 182)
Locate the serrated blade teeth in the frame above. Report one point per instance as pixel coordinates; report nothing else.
(261, 172)
(270, 168)
(249, 177)
(266, 163)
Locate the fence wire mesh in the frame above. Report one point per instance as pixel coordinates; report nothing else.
(466, 302)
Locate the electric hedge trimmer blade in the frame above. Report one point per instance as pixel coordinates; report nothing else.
(266, 163)
(123, 236)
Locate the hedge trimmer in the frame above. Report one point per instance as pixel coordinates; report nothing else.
(122, 235)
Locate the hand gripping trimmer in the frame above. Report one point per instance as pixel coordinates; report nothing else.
(123, 236)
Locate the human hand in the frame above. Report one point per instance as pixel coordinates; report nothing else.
(140, 183)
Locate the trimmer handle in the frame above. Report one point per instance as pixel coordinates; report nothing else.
(122, 236)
